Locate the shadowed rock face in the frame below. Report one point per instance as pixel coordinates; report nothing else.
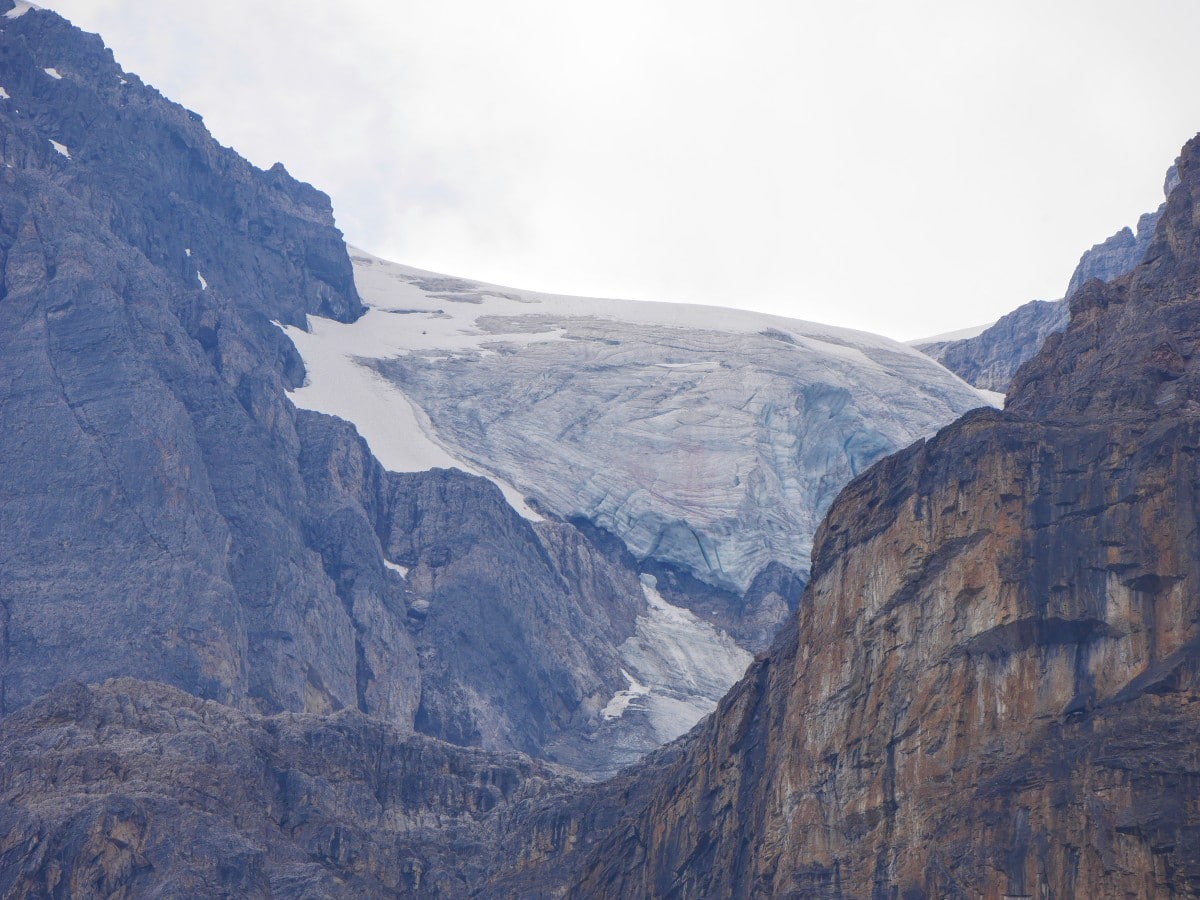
(990, 359)
(150, 481)
(990, 688)
(522, 630)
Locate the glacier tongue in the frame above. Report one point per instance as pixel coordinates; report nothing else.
(681, 666)
(710, 439)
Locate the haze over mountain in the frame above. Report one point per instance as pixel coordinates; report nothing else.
(705, 152)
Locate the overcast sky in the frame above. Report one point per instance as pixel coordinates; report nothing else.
(901, 167)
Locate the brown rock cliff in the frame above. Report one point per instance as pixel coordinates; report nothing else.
(990, 689)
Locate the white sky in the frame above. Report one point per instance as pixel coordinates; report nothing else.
(901, 167)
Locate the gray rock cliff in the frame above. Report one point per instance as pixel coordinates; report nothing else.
(151, 522)
(135, 789)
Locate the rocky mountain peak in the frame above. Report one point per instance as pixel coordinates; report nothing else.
(991, 358)
(1131, 345)
(149, 164)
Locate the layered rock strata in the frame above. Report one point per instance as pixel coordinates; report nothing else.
(134, 789)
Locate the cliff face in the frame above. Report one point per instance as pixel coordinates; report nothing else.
(150, 481)
(991, 359)
(132, 789)
(990, 689)
(515, 625)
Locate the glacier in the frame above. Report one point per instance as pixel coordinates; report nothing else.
(706, 438)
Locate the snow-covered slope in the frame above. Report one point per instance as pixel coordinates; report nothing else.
(960, 334)
(678, 667)
(711, 439)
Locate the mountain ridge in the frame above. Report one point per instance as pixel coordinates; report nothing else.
(990, 358)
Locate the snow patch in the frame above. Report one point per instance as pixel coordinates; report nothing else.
(61, 149)
(398, 433)
(991, 398)
(622, 699)
(385, 284)
(403, 570)
(678, 666)
(203, 283)
(945, 337)
(53, 73)
(20, 8)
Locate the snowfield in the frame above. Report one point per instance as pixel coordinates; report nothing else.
(681, 667)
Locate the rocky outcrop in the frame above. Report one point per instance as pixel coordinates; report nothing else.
(135, 789)
(1124, 250)
(990, 689)
(151, 494)
(516, 625)
(991, 359)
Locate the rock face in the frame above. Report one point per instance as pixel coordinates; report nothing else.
(167, 514)
(152, 502)
(516, 627)
(132, 789)
(991, 359)
(990, 689)
(1124, 250)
